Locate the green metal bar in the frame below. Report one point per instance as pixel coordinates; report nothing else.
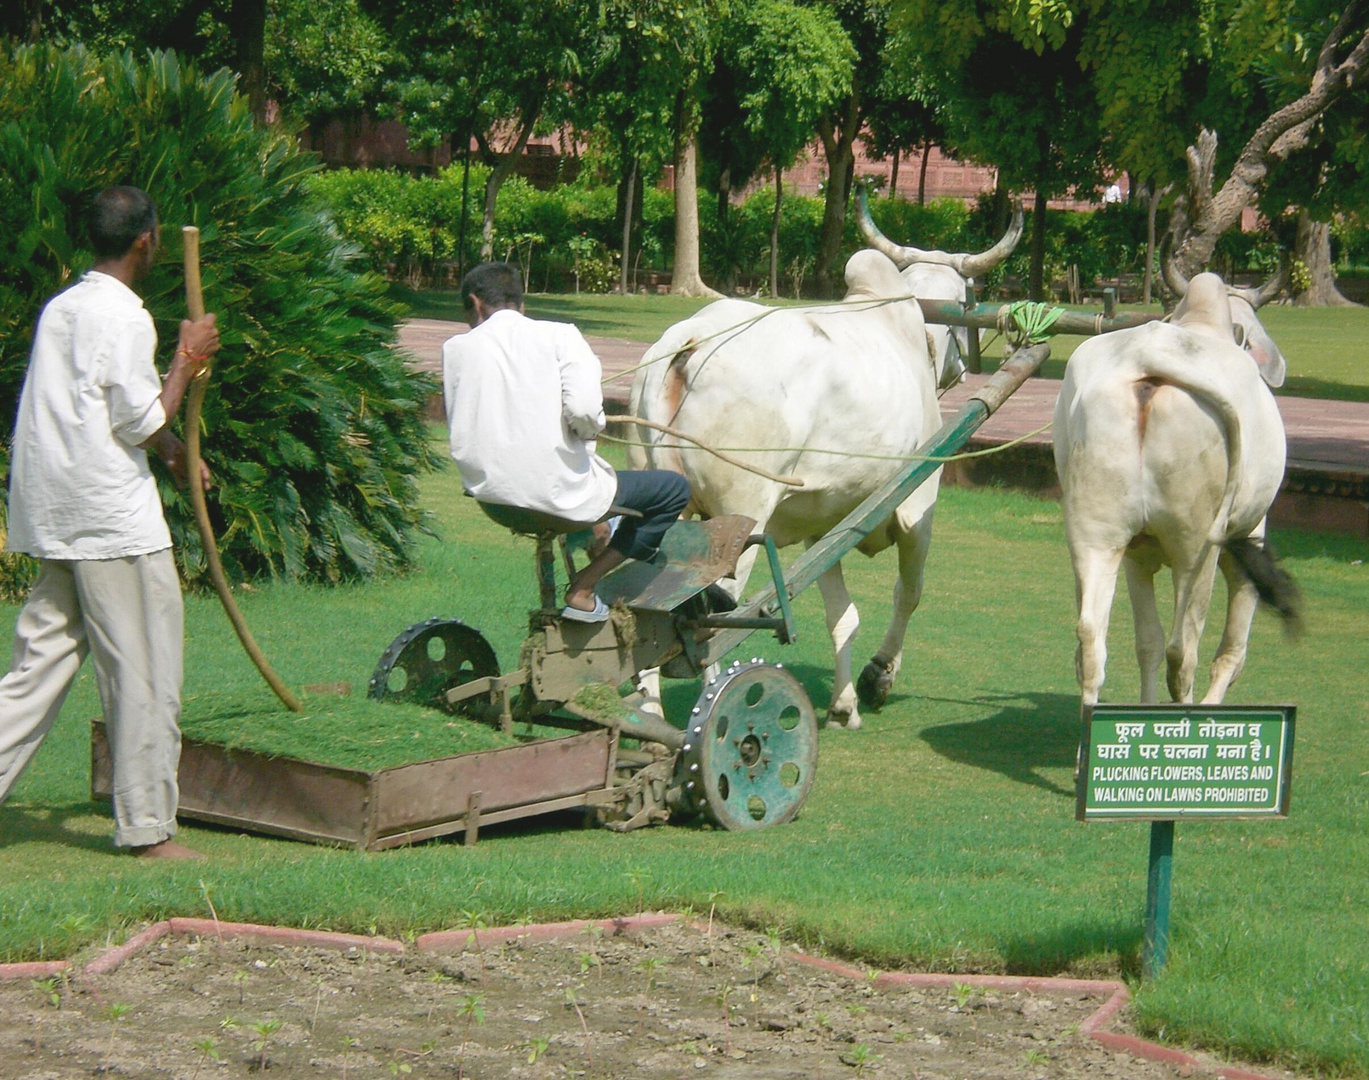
(986, 316)
(787, 633)
(1156, 944)
(973, 360)
(866, 517)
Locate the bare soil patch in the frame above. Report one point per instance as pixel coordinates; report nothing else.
(662, 1003)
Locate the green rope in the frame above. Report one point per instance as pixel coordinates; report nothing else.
(1030, 323)
(966, 456)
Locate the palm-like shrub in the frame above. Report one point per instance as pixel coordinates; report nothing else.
(312, 425)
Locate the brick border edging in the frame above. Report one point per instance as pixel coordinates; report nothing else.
(448, 941)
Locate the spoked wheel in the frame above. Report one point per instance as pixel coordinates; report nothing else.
(752, 748)
(430, 658)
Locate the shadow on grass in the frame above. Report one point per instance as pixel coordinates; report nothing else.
(1036, 731)
(1083, 950)
(48, 824)
(1307, 387)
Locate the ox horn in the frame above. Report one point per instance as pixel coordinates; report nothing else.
(904, 255)
(1262, 294)
(1174, 280)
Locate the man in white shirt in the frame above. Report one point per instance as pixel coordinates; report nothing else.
(84, 503)
(524, 403)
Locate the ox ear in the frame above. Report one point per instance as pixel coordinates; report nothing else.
(1266, 354)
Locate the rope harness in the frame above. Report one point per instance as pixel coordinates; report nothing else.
(1021, 323)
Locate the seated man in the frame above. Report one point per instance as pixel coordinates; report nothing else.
(524, 404)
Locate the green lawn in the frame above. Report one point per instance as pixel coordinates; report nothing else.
(941, 836)
(1327, 348)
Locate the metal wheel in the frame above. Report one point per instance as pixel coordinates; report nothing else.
(430, 658)
(752, 748)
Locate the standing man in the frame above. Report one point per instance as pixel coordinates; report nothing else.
(524, 403)
(84, 503)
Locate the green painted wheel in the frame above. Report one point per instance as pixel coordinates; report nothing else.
(752, 748)
(430, 658)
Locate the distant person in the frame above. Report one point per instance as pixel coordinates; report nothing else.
(1113, 194)
(83, 502)
(524, 403)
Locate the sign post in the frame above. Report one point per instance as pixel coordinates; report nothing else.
(1160, 763)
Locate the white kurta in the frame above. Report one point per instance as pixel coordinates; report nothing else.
(80, 487)
(524, 403)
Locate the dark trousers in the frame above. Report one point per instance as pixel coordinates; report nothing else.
(659, 495)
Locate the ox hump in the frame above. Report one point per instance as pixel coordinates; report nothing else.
(1205, 308)
(870, 274)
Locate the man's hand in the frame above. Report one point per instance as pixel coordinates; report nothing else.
(172, 451)
(199, 341)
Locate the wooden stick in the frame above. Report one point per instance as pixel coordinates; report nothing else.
(194, 302)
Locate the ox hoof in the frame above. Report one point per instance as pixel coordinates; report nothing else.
(840, 722)
(874, 685)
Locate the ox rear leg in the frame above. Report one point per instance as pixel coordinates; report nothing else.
(1095, 576)
(1242, 599)
(842, 622)
(1150, 632)
(1192, 595)
(877, 680)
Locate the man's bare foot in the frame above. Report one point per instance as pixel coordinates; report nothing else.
(167, 849)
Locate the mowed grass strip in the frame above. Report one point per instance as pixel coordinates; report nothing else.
(941, 836)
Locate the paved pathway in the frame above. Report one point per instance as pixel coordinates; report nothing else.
(1322, 435)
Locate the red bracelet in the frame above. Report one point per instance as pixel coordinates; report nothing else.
(197, 357)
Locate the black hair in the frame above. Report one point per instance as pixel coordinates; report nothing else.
(496, 284)
(118, 216)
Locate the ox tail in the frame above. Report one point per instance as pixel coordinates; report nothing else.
(1272, 582)
(1231, 421)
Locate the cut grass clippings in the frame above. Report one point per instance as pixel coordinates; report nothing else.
(941, 836)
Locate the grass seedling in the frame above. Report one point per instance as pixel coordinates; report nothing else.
(472, 1008)
(208, 1048)
(114, 1012)
(348, 1045)
(860, 1058)
(213, 914)
(722, 999)
(594, 932)
(437, 978)
(265, 1029)
(50, 990)
(475, 922)
(1034, 1057)
(573, 1000)
(241, 977)
(534, 1048)
(651, 965)
(398, 1068)
(962, 992)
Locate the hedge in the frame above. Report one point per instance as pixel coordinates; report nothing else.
(312, 423)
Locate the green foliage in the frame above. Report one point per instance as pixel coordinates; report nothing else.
(311, 425)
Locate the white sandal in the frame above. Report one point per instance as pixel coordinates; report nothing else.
(598, 615)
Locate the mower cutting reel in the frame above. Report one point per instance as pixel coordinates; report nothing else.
(752, 749)
(430, 658)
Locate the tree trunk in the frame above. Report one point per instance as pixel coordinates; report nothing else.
(1036, 283)
(922, 174)
(1314, 252)
(775, 235)
(840, 161)
(893, 175)
(247, 24)
(685, 279)
(501, 166)
(1152, 209)
(465, 199)
(627, 226)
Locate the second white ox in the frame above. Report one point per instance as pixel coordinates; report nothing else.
(1170, 450)
(840, 393)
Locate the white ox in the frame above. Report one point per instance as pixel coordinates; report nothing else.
(857, 378)
(1170, 450)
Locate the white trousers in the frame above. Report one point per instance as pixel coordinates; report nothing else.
(127, 613)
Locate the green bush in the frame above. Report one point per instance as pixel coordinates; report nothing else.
(312, 423)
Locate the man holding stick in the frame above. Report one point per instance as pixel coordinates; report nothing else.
(84, 503)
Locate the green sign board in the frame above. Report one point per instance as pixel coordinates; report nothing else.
(1164, 762)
